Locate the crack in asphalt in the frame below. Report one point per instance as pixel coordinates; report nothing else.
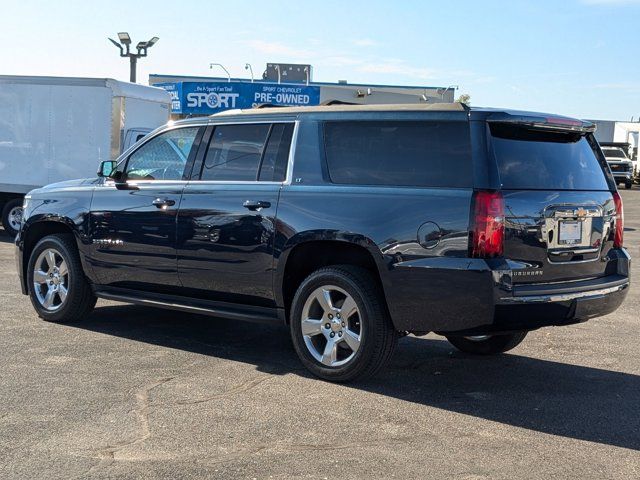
(107, 455)
(242, 387)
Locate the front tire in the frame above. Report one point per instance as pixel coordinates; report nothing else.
(12, 216)
(58, 288)
(628, 184)
(487, 344)
(340, 326)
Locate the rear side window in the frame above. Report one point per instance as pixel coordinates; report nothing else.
(248, 152)
(234, 152)
(537, 160)
(402, 153)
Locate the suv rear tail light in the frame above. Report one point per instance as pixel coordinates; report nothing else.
(619, 233)
(487, 227)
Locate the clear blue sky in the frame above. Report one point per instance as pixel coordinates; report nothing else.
(576, 57)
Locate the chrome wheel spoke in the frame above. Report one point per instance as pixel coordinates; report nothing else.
(352, 339)
(311, 327)
(348, 308)
(63, 269)
(40, 277)
(48, 298)
(330, 354)
(324, 299)
(62, 293)
(50, 258)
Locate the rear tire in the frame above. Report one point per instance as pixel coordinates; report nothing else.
(12, 216)
(628, 184)
(490, 345)
(58, 288)
(340, 326)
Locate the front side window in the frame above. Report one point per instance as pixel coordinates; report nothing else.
(399, 153)
(164, 157)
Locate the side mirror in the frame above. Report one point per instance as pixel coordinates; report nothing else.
(107, 168)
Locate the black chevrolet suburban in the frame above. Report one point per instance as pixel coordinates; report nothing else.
(353, 225)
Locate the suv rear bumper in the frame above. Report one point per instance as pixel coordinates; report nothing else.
(558, 304)
(481, 299)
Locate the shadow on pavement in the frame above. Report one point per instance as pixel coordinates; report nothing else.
(4, 238)
(578, 402)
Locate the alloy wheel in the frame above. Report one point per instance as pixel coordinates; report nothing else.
(15, 218)
(51, 279)
(331, 326)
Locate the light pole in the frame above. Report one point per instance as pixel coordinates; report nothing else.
(125, 51)
(455, 87)
(306, 70)
(247, 66)
(211, 65)
(277, 67)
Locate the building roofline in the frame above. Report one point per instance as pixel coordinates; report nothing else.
(299, 84)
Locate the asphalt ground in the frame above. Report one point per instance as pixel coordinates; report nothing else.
(136, 392)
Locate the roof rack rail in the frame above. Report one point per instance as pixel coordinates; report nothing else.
(268, 105)
(329, 103)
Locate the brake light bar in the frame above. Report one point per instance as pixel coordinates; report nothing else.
(564, 121)
(555, 123)
(487, 229)
(618, 238)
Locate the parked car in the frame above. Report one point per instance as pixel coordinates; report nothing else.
(60, 128)
(354, 225)
(620, 165)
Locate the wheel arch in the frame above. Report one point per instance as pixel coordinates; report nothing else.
(33, 231)
(305, 255)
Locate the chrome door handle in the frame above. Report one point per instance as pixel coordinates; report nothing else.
(256, 205)
(163, 203)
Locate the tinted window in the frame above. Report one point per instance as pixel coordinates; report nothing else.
(614, 153)
(276, 155)
(530, 159)
(426, 154)
(234, 152)
(163, 157)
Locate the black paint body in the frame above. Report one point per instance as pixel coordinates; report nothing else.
(210, 252)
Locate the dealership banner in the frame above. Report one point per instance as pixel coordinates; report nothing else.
(212, 97)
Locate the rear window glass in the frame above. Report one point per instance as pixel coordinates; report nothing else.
(403, 153)
(540, 160)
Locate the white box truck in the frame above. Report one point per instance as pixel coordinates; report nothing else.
(58, 128)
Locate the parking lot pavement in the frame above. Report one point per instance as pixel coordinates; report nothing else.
(136, 392)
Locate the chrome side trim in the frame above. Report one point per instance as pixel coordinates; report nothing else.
(165, 128)
(564, 297)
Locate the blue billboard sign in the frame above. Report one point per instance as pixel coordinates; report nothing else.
(206, 98)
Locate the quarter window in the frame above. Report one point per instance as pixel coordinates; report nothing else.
(276, 156)
(164, 157)
(400, 153)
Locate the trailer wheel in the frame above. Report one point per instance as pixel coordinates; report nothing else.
(12, 216)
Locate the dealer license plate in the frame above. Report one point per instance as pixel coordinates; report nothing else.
(569, 233)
